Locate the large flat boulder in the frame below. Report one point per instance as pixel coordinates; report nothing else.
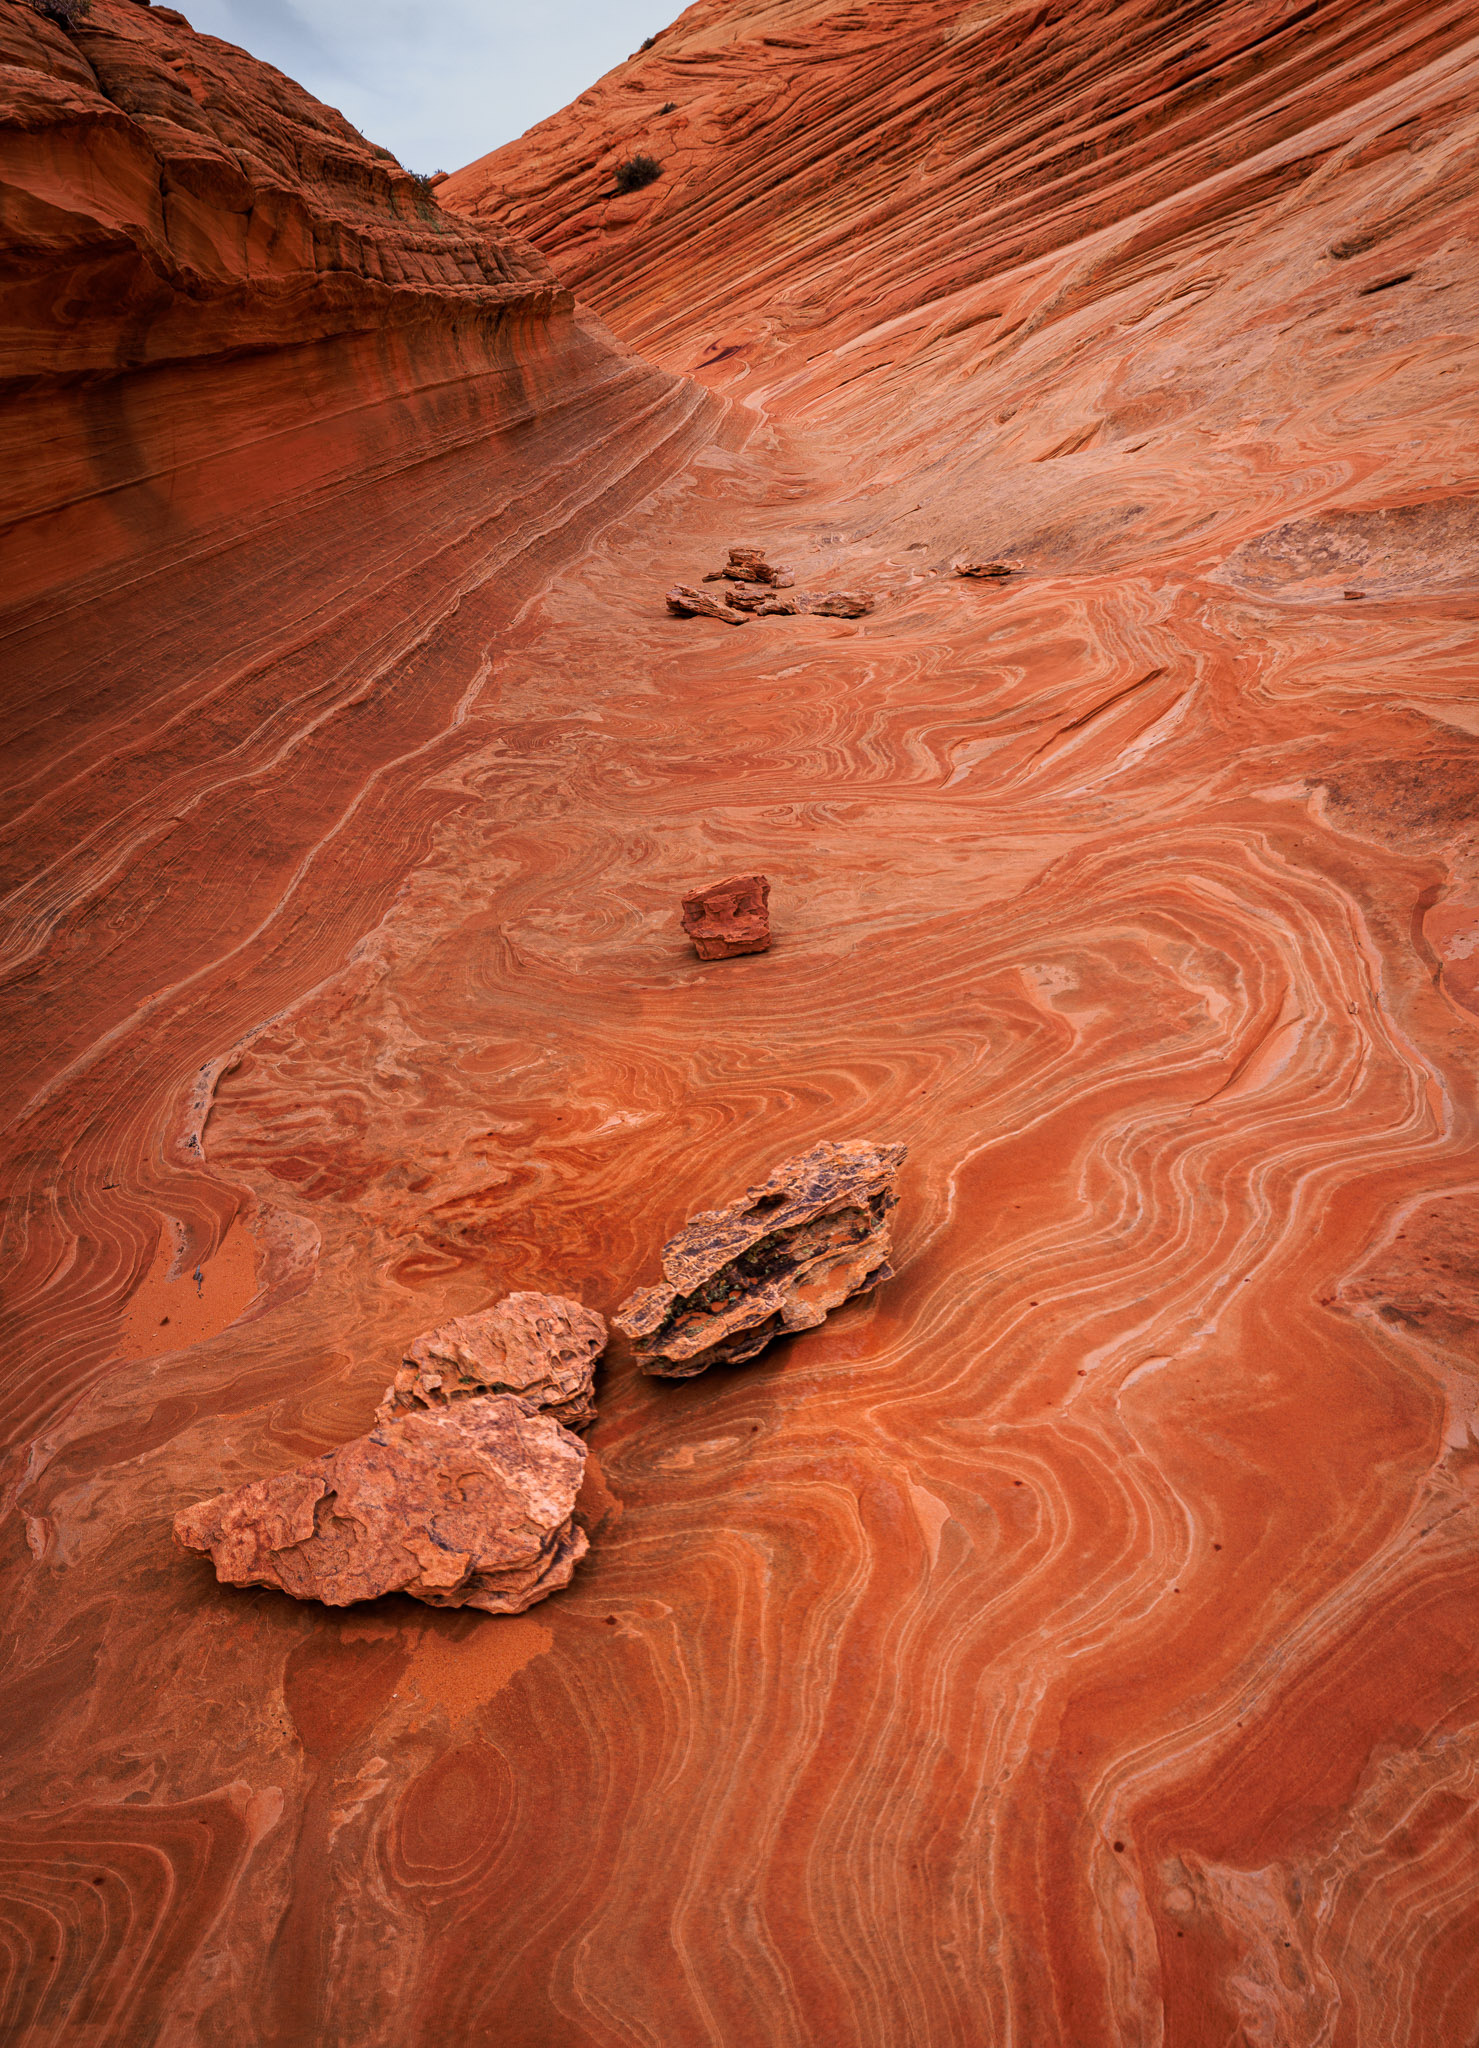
(468, 1507)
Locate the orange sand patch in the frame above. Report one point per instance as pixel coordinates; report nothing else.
(167, 1314)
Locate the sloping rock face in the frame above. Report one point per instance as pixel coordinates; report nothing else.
(539, 1347)
(283, 447)
(470, 1507)
(802, 1242)
(1072, 1643)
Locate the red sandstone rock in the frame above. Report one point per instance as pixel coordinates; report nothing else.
(749, 597)
(540, 1347)
(470, 1507)
(997, 571)
(729, 917)
(748, 565)
(686, 603)
(840, 604)
(811, 1236)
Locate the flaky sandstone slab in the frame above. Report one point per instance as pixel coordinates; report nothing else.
(686, 603)
(776, 1260)
(468, 1507)
(728, 918)
(840, 604)
(993, 571)
(542, 1347)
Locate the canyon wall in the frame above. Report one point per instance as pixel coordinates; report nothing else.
(1072, 1641)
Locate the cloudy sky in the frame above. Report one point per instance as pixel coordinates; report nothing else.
(438, 81)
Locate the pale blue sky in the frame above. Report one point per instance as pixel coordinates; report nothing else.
(442, 83)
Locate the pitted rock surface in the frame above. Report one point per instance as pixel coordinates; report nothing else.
(777, 1260)
(541, 1347)
(728, 918)
(470, 1507)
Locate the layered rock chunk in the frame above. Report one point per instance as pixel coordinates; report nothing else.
(541, 1347)
(729, 917)
(684, 602)
(467, 1507)
(992, 571)
(776, 1260)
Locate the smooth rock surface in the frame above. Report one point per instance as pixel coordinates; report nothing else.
(467, 1507)
(802, 1242)
(541, 1347)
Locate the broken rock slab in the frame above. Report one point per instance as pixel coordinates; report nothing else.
(993, 571)
(467, 1507)
(748, 565)
(776, 1260)
(729, 918)
(541, 1347)
(841, 604)
(686, 603)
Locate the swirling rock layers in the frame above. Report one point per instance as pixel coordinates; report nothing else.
(800, 1243)
(470, 1507)
(1072, 1641)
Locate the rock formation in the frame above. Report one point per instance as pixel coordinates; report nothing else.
(775, 1261)
(469, 1506)
(748, 565)
(684, 602)
(996, 572)
(1072, 1643)
(729, 917)
(540, 1347)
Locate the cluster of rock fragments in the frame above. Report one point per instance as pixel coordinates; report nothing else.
(755, 588)
(463, 1494)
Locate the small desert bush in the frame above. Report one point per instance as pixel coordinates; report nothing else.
(65, 13)
(647, 45)
(636, 172)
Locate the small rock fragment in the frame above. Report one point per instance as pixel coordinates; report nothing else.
(687, 603)
(729, 917)
(780, 607)
(997, 570)
(1353, 593)
(841, 604)
(541, 1347)
(777, 1260)
(467, 1507)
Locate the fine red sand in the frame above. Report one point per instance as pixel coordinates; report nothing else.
(1072, 1643)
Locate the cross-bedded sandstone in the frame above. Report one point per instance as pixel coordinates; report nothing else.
(777, 1260)
(470, 1507)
